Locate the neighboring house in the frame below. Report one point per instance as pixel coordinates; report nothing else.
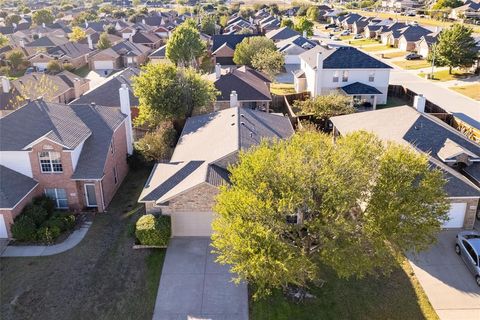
(424, 45)
(77, 155)
(292, 47)
(412, 34)
(185, 188)
(60, 88)
(147, 39)
(282, 34)
(470, 9)
(44, 43)
(348, 20)
(159, 55)
(70, 52)
(121, 55)
(325, 69)
(92, 39)
(223, 47)
(447, 149)
(269, 24)
(242, 87)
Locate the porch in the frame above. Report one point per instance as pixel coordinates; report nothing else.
(364, 97)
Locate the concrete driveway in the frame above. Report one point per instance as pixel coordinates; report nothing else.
(193, 286)
(449, 285)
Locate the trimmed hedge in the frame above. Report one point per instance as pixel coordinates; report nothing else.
(39, 222)
(153, 231)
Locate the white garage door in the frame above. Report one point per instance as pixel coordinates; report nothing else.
(456, 215)
(3, 228)
(192, 224)
(103, 65)
(41, 65)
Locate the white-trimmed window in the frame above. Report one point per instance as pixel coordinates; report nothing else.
(50, 161)
(59, 196)
(335, 76)
(344, 76)
(371, 76)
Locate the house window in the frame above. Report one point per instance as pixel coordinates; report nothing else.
(345, 76)
(50, 161)
(115, 178)
(335, 76)
(59, 196)
(371, 77)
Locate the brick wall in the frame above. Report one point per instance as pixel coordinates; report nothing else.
(56, 180)
(200, 198)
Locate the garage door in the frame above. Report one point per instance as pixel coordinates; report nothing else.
(103, 65)
(40, 65)
(3, 228)
(192, 224)
(456, 215)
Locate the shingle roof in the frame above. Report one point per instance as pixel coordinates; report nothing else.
(231, 40)
(144, 37)
(205, 142)
(47, 41)
(14, 187)
(159, 53)
(249, 84)
(106, 94)
(343, 57)
(129, 48)
(70, 49)
(423, 132)
(360, 88)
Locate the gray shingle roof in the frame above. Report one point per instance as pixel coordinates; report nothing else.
(249, 84)
(423, 132)
(360, 88)
(159, 53)
(14, 187)
(47, 42)
(106, 94)
(231, 40)
(282, 34)
(70, 49)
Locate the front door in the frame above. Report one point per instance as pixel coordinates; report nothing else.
(90, 196)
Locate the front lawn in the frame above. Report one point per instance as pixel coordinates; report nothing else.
(398, 296)
(100, 278)
(412, 64)
(282, 88)
(362, 42)
(443, 75)
(392, 102)
(391, 55)
(374, 48)
(82, 72)
(471, 90)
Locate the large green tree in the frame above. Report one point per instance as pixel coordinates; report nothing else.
(303, 24)
(43, 16)
(185, 45)
(326, 106)
(296, 205)
(3, 40)
(16, 59)
(442, 4)
(250, 46)
(270, 62)
(166, 92)
(455, 48)
(103, 41)
(208, 24)
(287, 23)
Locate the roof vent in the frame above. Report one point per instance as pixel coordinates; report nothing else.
(92, 104)
(232, 124)
(242, 123)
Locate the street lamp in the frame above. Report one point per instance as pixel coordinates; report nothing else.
(434, 49)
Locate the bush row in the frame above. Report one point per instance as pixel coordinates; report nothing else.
(38, 221)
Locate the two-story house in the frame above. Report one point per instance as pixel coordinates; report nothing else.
(324, 69)
(76, 154)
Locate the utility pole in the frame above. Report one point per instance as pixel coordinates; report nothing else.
(434, 49)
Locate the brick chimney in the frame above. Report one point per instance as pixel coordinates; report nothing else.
(125, 109)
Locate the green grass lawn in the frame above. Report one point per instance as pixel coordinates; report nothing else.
(362, 42)
(444, 75)
(392, 102)
(472, 90)
(412, 64)
(392, 55)
(374, 48)
(282, 88)
(82, 72)
(398, 296)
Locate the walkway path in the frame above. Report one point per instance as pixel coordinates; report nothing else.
(39, 251)
(194, 286)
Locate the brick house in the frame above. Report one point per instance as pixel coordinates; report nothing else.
(121, 55)
(185, 187)
(447, 149)
(223, 47)
(77, 155)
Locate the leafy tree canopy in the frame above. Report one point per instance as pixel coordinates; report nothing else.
(77, 34)
(303, 24)
(441, 4)
(327, 106)
(269, 62)
(43, 16)
(158, 145)
(103, 42)
(297, 204)
(166, 92)
(287, 23)
(249, 46)
(185, 45)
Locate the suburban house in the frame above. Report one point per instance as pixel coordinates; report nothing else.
(424, 46)
(92, 39)
(324, 69)
(404, 38)
(470, 9)
(185, 188)
(447, 149)
(223, 47)
(43, 44)
(159, 55)
(70, 52)
(347, 21)
(75, 154)
(375, 31)
(292, 47)
(147, 39)
(268, 24)
(282, 34)
(120, 55)
(63, 88)
(242, 87)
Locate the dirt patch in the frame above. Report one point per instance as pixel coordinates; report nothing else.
(101, 278)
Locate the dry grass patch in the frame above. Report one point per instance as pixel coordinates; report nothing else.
(472, 90)
(412, 64)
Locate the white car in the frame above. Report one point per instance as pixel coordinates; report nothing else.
(345, 33)
(335, 38)
(357, 36)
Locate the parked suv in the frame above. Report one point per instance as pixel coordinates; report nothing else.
(413, 56)
(468, 247)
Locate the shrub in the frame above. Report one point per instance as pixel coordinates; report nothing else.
(24, 229)
(68, 67)
(48, 234)
(61, 221)
(37, 213)
(153, 231)
(46, 202)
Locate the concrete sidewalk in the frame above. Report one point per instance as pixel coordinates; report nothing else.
(39, 251)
